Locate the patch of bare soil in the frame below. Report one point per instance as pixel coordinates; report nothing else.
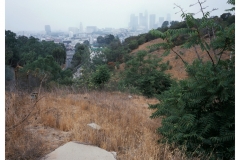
(51, 137)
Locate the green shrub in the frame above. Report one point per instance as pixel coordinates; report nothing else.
(133, 44)
(141, 39)
(101, 76)
(198, 113)
(146, 74)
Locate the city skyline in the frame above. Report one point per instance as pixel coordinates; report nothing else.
(27, 15)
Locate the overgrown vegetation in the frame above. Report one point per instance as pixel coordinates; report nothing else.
(199, 112)
(32, 59)
(146, 73)
(101, 76)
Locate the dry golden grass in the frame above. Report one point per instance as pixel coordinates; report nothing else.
(60, 117)
(19, 142)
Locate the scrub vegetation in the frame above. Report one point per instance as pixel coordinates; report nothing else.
(166, 94)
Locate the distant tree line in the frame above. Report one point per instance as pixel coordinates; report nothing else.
(34, 57)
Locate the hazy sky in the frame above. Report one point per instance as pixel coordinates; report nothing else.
(33, 15)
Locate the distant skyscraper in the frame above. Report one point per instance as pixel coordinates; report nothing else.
(168, 18)
(81, 28)
(152, 18)
(48, 29)
(146, 20)
(133, 24)
(141, 19)
(160, 22)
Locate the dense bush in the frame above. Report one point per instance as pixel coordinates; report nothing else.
(146, 74)
(133, 44)
(101, 76)
(21, 50)
(81, 56)
(198, 113)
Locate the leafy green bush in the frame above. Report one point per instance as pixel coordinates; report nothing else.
(43, 66)
(146, 74)
(101, 76)
(141, 39)
(81, 56)
(198, 113)
(66, 77)
(133, 44)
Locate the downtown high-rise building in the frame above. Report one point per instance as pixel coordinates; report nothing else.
(80, 27)
(47, 29)
(152, 19)
(133, 24)
(160, 22)
(168, 18)
(143, 20)
(146, 19)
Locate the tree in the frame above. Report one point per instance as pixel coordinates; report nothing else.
(59, 55)
(114, 51)
(165, 24)
(109, 38)
(42, 66)
(225, 16)
(11, 51)
(8, 55)
(101, 76)
(100, 40)
(141, 39)
(133, 44)
(81, 56)
(173, 23)
(86, 42)
(29, 57)
(198, 113)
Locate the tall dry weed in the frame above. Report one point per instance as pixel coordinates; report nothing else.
(20, 143)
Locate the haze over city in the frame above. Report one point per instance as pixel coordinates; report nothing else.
(28, 15)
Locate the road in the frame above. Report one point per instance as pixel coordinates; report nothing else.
(69, 57)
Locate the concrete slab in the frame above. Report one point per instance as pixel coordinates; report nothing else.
(94, 126)
(77, 151)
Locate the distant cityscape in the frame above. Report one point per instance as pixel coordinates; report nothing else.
(137, 25)
(143, 22)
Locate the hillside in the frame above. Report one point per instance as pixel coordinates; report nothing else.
(178, 70)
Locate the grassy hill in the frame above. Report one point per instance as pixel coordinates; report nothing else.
(177, 70)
